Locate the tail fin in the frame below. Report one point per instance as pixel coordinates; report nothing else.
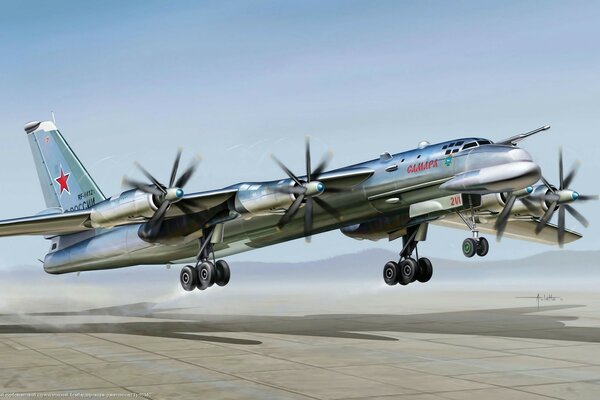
(66, 184)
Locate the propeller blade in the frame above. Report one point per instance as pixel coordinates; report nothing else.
(560, 169)
(502, 219)
(545, 218)
(585, 197)
(582, 220)
(561, 226)
(547, 184)
(188, 212)
(289, 214)
(308, 167)
(156, 220)
(308, 219)
(551, 197)
(185, 177)
(286, 170)
(325, 206)
(291, 189)
(322, 165)
(174, 169)
(571, 175)
(151, 178)
(144, 187)
(529, 204)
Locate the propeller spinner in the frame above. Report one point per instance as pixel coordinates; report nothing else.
(306, 192)
(556, 199)
(164, 196)
(559, 199)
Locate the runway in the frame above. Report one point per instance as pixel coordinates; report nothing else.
(461, 351)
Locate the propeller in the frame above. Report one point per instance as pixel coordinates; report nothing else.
(306, 192)
(502, 219)
(559, 199)
(164, 196)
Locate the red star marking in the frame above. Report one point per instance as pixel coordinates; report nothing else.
(62, 181)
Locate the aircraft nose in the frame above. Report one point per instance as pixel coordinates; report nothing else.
(518, 154)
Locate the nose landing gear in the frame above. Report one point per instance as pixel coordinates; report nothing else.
(472, 246)
(476, 244)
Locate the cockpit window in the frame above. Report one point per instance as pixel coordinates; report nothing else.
(469, 145)
(459, 143)
(482, 142)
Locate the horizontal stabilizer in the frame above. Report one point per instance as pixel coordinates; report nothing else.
(79, 221)
(47, 225)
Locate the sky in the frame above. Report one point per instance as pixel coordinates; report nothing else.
(237, 81)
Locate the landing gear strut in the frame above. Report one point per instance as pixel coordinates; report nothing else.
(476, 244)
(409, 269)
(206, 272)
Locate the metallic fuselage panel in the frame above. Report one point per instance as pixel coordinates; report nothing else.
(405, 178)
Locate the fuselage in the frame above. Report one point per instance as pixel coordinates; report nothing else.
(467, 165)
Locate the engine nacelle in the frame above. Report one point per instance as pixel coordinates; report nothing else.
(262, 198)
(127, 207)
(495, 202)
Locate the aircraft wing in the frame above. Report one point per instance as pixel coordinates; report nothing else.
(203, 201)
(79, 221)
(48, 224)
(523, 229)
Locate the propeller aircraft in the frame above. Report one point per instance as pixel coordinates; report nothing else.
(469, 183)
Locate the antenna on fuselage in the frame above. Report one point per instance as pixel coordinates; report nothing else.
(53, 118)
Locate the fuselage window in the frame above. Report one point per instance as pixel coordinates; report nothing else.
(419, 156)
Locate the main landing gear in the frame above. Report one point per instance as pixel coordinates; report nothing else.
(205, 273)
(409, 269)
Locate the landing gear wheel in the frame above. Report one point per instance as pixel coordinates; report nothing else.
(188, 278)
(483, 247)
(206, 275)
(408, 269)
(222, 273)
(391, 273)
(425, 270)
(469, 247)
